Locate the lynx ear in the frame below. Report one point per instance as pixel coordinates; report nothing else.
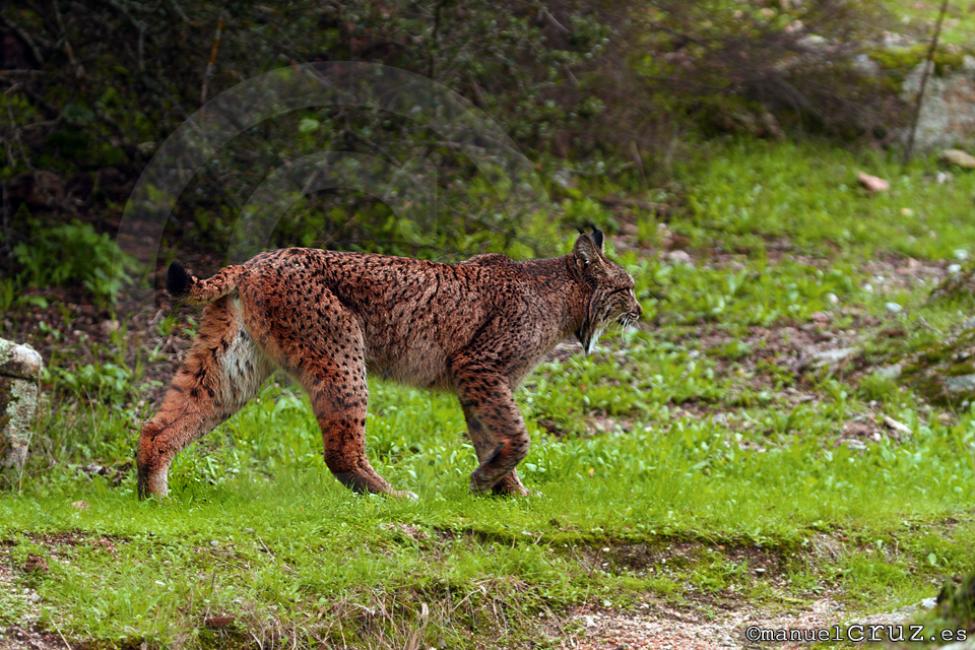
(589, 246)
(597, 236)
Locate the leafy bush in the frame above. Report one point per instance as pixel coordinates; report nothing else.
(73, 253)
(105, 382)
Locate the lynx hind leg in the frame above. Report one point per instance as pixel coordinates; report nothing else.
(222, 370)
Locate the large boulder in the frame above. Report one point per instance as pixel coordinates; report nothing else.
(20, 370)
(948, 113)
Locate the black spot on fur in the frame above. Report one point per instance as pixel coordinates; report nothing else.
(178, 281)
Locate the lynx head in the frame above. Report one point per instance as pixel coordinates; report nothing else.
(611, 287)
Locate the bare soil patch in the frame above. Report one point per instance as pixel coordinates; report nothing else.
(663, 627)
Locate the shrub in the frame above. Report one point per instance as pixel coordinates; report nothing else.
(72, 254)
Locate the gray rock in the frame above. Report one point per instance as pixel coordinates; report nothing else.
(827, 358)
(679, 257)
(897, 426)
(960, 645)
(948, 114)
(20, 369)
(892, 371)
(960, 383)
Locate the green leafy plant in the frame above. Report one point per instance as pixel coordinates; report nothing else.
(73, 253)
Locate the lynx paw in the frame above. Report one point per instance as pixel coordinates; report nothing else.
(507, 486)
(404, 494)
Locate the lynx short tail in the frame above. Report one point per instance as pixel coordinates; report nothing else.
(181, 284)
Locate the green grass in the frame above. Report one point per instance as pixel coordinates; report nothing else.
(919, 18)
(744, 195)
(665, 445)
(256, 528)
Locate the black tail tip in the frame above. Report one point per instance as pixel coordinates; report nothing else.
(178, 281)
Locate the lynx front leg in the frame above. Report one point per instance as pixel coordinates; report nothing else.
(509, 484)
(339, 395)
(341, 413)
(496, 427)
(343, 425)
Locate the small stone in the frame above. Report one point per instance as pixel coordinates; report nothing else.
(889, 372)
(20, 361)
(812, 41)
(954, 268)
(896, 426)
(108, 327)
(958, 158)
(895, 39)
(872, 184)
(960, 383)
(893, 307)
(943, 177)
(832, 357)
(961, 254)
(907, 212)
(832, 298)
(79, 505)
(678, 257)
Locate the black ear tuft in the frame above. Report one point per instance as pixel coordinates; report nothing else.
(597, 236)
(178, 281)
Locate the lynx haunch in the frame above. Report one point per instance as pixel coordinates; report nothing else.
(476, 328)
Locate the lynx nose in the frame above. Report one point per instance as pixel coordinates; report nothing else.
(636, 313)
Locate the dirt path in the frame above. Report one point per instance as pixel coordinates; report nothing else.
(664, 628)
